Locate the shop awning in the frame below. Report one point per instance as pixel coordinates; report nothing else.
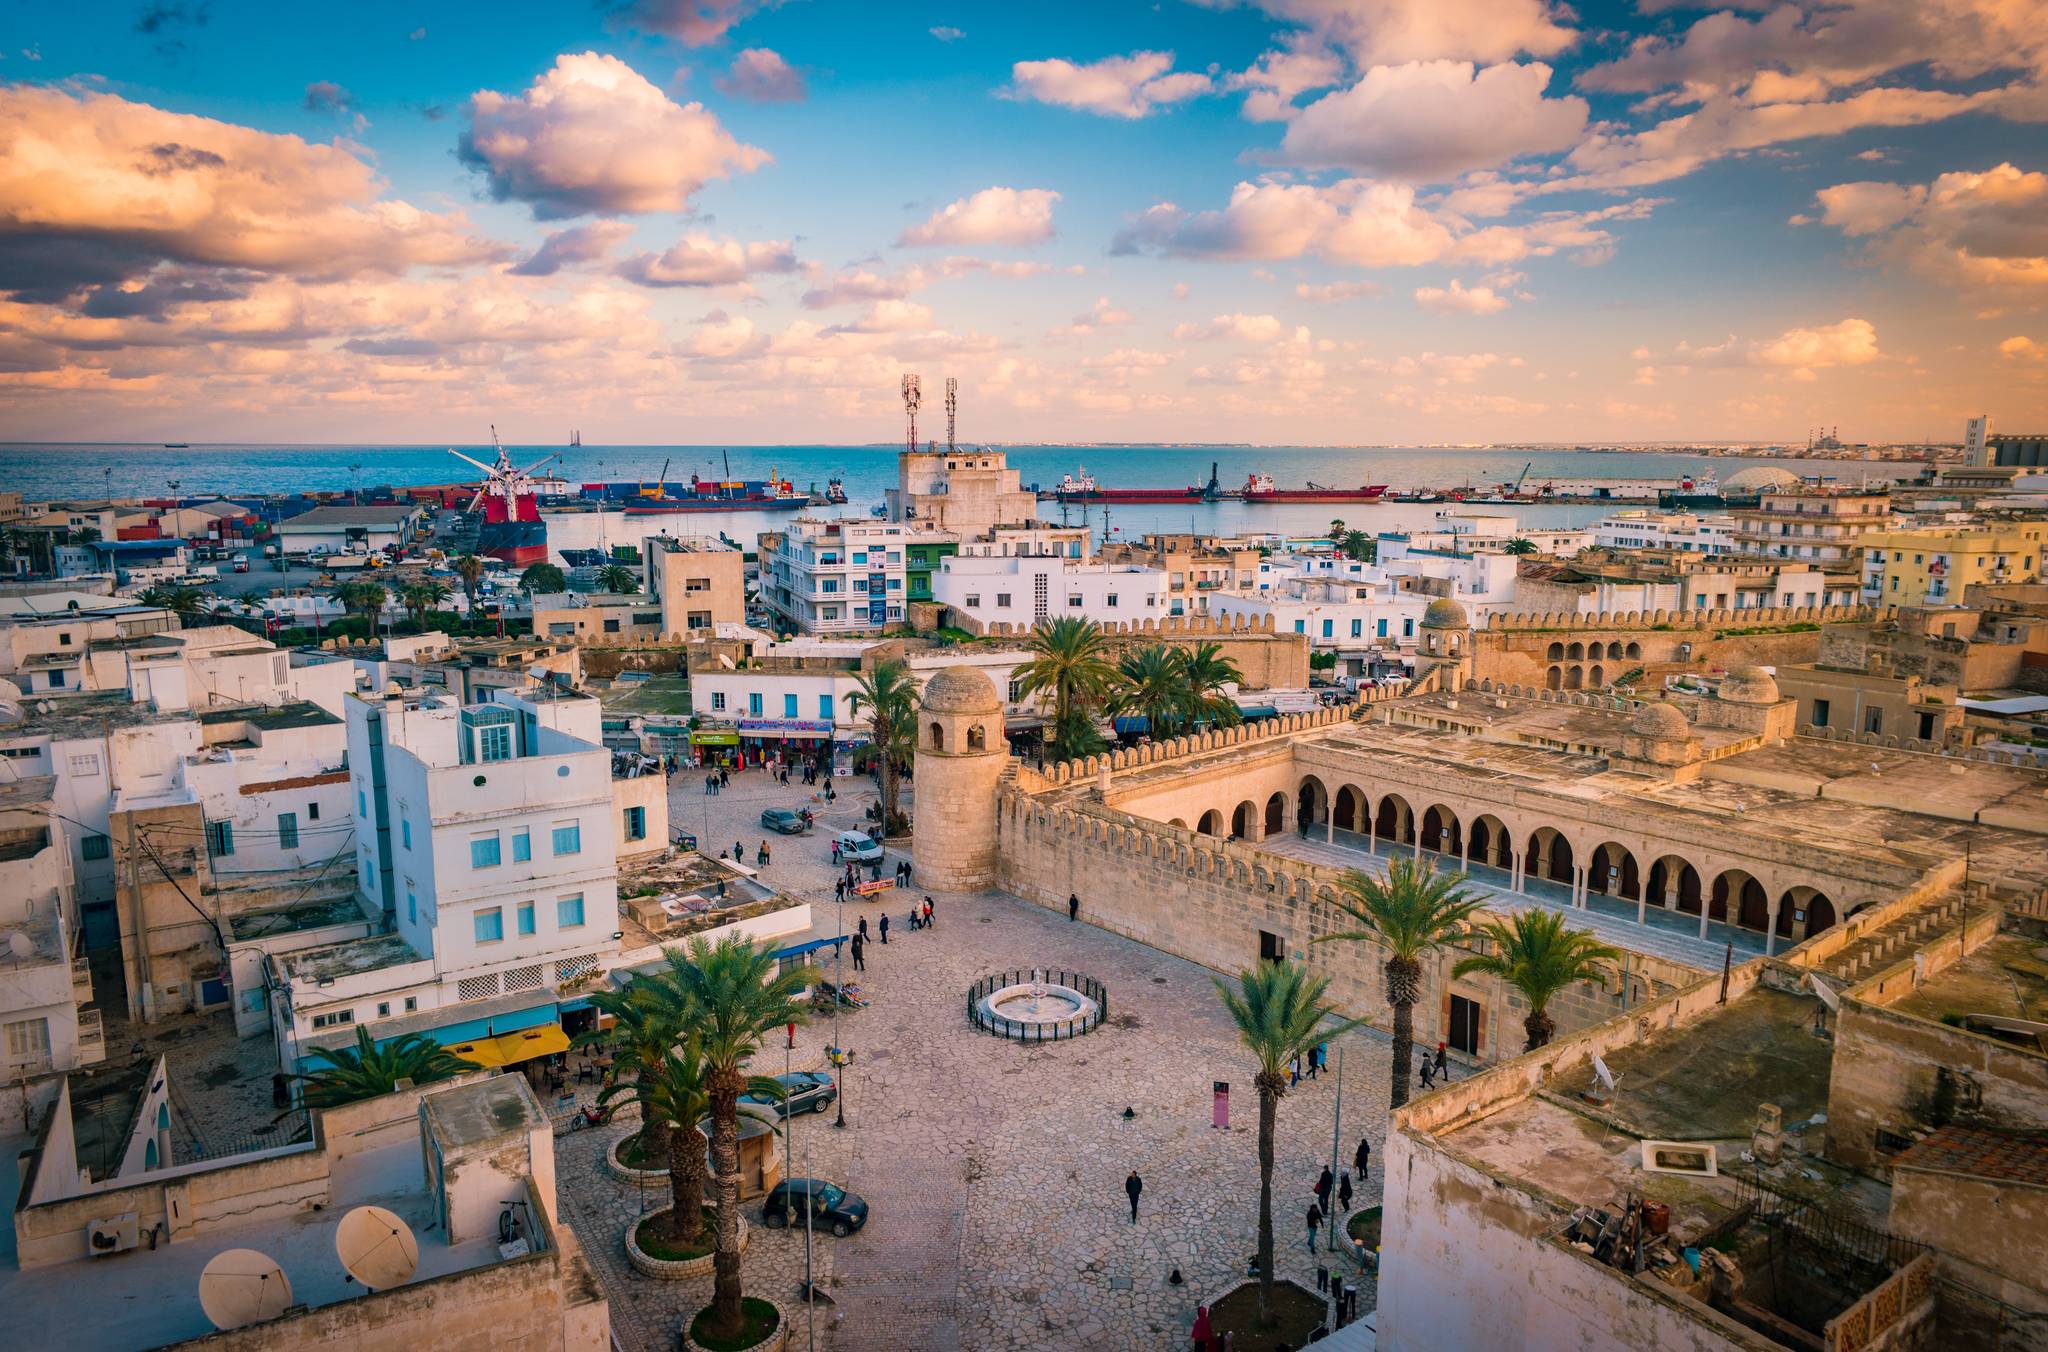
(546, 1040)
(483, 1052)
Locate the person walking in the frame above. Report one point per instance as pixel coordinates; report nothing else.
(1325, 1184)
(1133, 1186)
(1074, 907)
(839, 889)
(864, 935)
(1322, 1056)
(1443, 1063)
(739, 852)
(1294, 1071)
(860, 965)
(835, 853)
(1315, 1218)
(1344, 1191)
(1428, 1073)
(724, 776)
(884, 927)
(927, 912)
(1362, 1161)
(763, 856)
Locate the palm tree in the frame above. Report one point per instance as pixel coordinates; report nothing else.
(543, 578)
(1204, 672)
(1537, 955)
(1279, 1009)
(184, 602)
(1360, 547)
(422, 596)
(470, 569)
(1068, 659)
(737, 996)
(1411, 913)
(367, 1070)
(1518, 546)
(616, 577)
(674, 1095)
(890, 699)
(1153, 687)
(358, 597)
(1338, 530)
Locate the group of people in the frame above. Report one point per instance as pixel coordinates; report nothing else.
(922, 916)
(1314, 1064)
(715, 781)
(1332, 1192)
(1433, 1066)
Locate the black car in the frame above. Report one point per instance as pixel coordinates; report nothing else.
(809, 1091)
(784, 822)
(832, 1207)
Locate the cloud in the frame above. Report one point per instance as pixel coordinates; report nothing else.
(945, 34)
(861, 285)
(1439, 368)
(578, 244)
(1101, 315)
(958, 265)
(1388, 32)
(1014, 216)
(325, 96)
(2019, 347)
(592, 135)
(1332, 291)
(1457, 299)
(694, 23)
(167, 21)
(762, 76)
(1279, 76)
(102, 189)
(1984, 230)
(1798, 353)
(700, 260)
(1116, 86)
(1431, 120)
(1243, 327)
(888, 316)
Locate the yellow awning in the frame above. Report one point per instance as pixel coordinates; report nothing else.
(528, 1043)
(482, 1052)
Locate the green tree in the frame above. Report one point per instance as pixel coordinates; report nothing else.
(362, 598)
(470, 569)
(421, 596)
(1279, 1010)
(367, 1070)
(1204, 671)
(1152, 685)
(1069, 660)
(617, 578)
(543, 578)
(82, 535)
(1360, 547)
(674, 1095)
(1519, 546)
(184, 602)
(1338, 530)
(736, 997)
(890, 699)
(1539, 956)
(1411, 913)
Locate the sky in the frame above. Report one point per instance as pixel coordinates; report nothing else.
(1285, 222)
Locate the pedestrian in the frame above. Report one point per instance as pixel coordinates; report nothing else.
(1362, 1161)
(927, 912)
(884, 927)
(1322, 1056)
(764, 854)
(909, 873)
(1325, 1184)
(1344, 1190)
(864, 935)
(1134, 1185)
(739, 852)
(860, 965)
(724, 776)
(1311, 1059)
(839, 889)
(1201, 1332)
(1315, 1218)
(1443, 1063)
(1428, 1073)
(1294, 1071)
(1074, 907)
(835, 853)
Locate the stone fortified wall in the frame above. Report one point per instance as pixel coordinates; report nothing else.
(1525, 648)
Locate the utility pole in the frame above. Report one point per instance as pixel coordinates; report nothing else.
(1336, 1128)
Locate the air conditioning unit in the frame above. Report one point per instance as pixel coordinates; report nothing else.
(116, 1234)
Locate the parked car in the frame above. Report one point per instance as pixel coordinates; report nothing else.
(784, 822)
(859, 847)
(831, 1206)
(808, 1091)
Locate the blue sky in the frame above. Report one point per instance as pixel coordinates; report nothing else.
(1319, 221)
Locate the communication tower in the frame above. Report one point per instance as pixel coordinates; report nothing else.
(913, 395)
(952, 405)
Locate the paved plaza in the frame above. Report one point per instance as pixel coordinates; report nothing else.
(996, 1171)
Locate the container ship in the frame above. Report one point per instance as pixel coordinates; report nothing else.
(1259, 488)
(698, 495)
(1083, 488)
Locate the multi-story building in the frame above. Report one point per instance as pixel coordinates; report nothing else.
(1024, 590)
(599, 617)
(966, 493)
(1977, 441)
(1823, 524)
(2025, 450)
(844, 576)
(1685, 532)
(1197, 567)
(47, 1025)
(698, 581)
(1367, 620)
(1497, 532)
(1932, 567)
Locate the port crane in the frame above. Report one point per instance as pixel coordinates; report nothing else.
(503, 479)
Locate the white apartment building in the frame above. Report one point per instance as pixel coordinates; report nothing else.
(1025, 590)
(1821, 524)
(1483, 583)
(1685, 532)
(1363, 618)
(1491, 532)
(45, 1028)
(842, 576)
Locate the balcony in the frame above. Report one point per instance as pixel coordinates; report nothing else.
(81, 981)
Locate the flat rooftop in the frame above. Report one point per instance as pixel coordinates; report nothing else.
(73, 716)
(352, 958)
(336, 518)
(271, 718)
(28, 791)
(659, 695)
(2007, 977)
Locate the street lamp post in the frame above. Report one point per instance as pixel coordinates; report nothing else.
(1336, 1126)
(838, 951)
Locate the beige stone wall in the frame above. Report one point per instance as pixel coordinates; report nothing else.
(586, 624)
(648, 792)
(718, 575)
(954, 846)
(1991, 1234)
(1536, 649)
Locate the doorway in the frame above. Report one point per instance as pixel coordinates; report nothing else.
(1272, 948)
(1464, 1031)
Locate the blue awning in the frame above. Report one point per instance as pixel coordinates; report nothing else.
(469, 1030)
(798, 950)
(1131, 723)
(582, 1002)
(1251, 711)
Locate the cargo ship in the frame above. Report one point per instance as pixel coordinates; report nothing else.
(1083, 488)
(698, 495)
(511, 528)
(1259, 488)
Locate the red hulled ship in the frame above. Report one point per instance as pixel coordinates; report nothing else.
(1259, 488)
(511, 528)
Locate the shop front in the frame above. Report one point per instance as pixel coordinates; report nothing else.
(715, 746)
(793, 740)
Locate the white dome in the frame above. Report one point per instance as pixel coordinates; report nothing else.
(1760, 479)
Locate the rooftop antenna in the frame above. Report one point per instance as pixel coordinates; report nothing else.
(242, 1286)
(355, 492)
(952, 404)
(376, 1248)
(913, 395)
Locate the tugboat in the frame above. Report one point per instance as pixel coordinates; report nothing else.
(835, 491)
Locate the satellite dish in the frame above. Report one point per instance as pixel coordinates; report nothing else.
(376, 1248)
(1829, 996)
(20, 945)
(242, 1286)
(1606, 1075)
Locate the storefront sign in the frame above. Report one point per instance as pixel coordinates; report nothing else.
(718, 737)
(756, 726)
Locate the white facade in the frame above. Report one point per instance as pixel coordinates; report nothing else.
(1683, 531)
(40, 991)
(1025, 590)
(842, 576)
(273, 785)
(1483, 532)
(1482, 583)
(1355, 617)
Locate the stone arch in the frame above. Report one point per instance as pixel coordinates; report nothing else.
(1576, 652)
(938, 733)
(1441, 830)
(1674, 885)
(1574, 678)
(1276, 813)
(1243, 818)
(1549, 855)
(1553, 679)
(1395, 820)
(1614, 650)
(1492, 843)
(1211, 823)
(1596, 677)
(1555, 653)
(1178, 822)
(1611, 870)
(1633, 652)
(977, 738)
(1349, 812)
(1741, 900)
(1817, 912)
(1311, 802)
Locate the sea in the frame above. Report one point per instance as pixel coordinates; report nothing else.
(57, 470)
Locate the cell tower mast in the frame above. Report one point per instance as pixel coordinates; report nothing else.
(913, 395)
(952, 405)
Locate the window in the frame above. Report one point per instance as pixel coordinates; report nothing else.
(495, 743)
(95, 847)
(1382, 629)
(569, 913)
(28, 1044)
(412, 1003)
(525, 917)
(1073, 601)
(522, 845)
(1873, 720)
(489, 924)
(1110, 600)
(1820, 713)
(825, 708)
(1329, 628)
(383, 1009)
(220, 839)
(333, 1018)
(1301, 626)
(483, 851)
(611, 626)
(412, 909)
(1002, 600)
(754, 704)
(636, 823)
(57, 683)
(718, 701)
(1358, 628)
(1408, 627)
(895, 584)
(974, 600)
(569, 838)
(362, 804)
(789, 706)
(287, 830)
(830, 584)
(312, 812)
(405, 832)
(87, 764)
(860, 584)
(697, 584)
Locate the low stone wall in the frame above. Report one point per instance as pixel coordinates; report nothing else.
(670, 1269)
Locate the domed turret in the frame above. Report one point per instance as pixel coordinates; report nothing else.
(1660, 722)
(1444, 613)
(1749, 685)
(961, 690)
(961, 752)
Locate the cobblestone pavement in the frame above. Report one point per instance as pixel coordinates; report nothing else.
(995, 1170)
